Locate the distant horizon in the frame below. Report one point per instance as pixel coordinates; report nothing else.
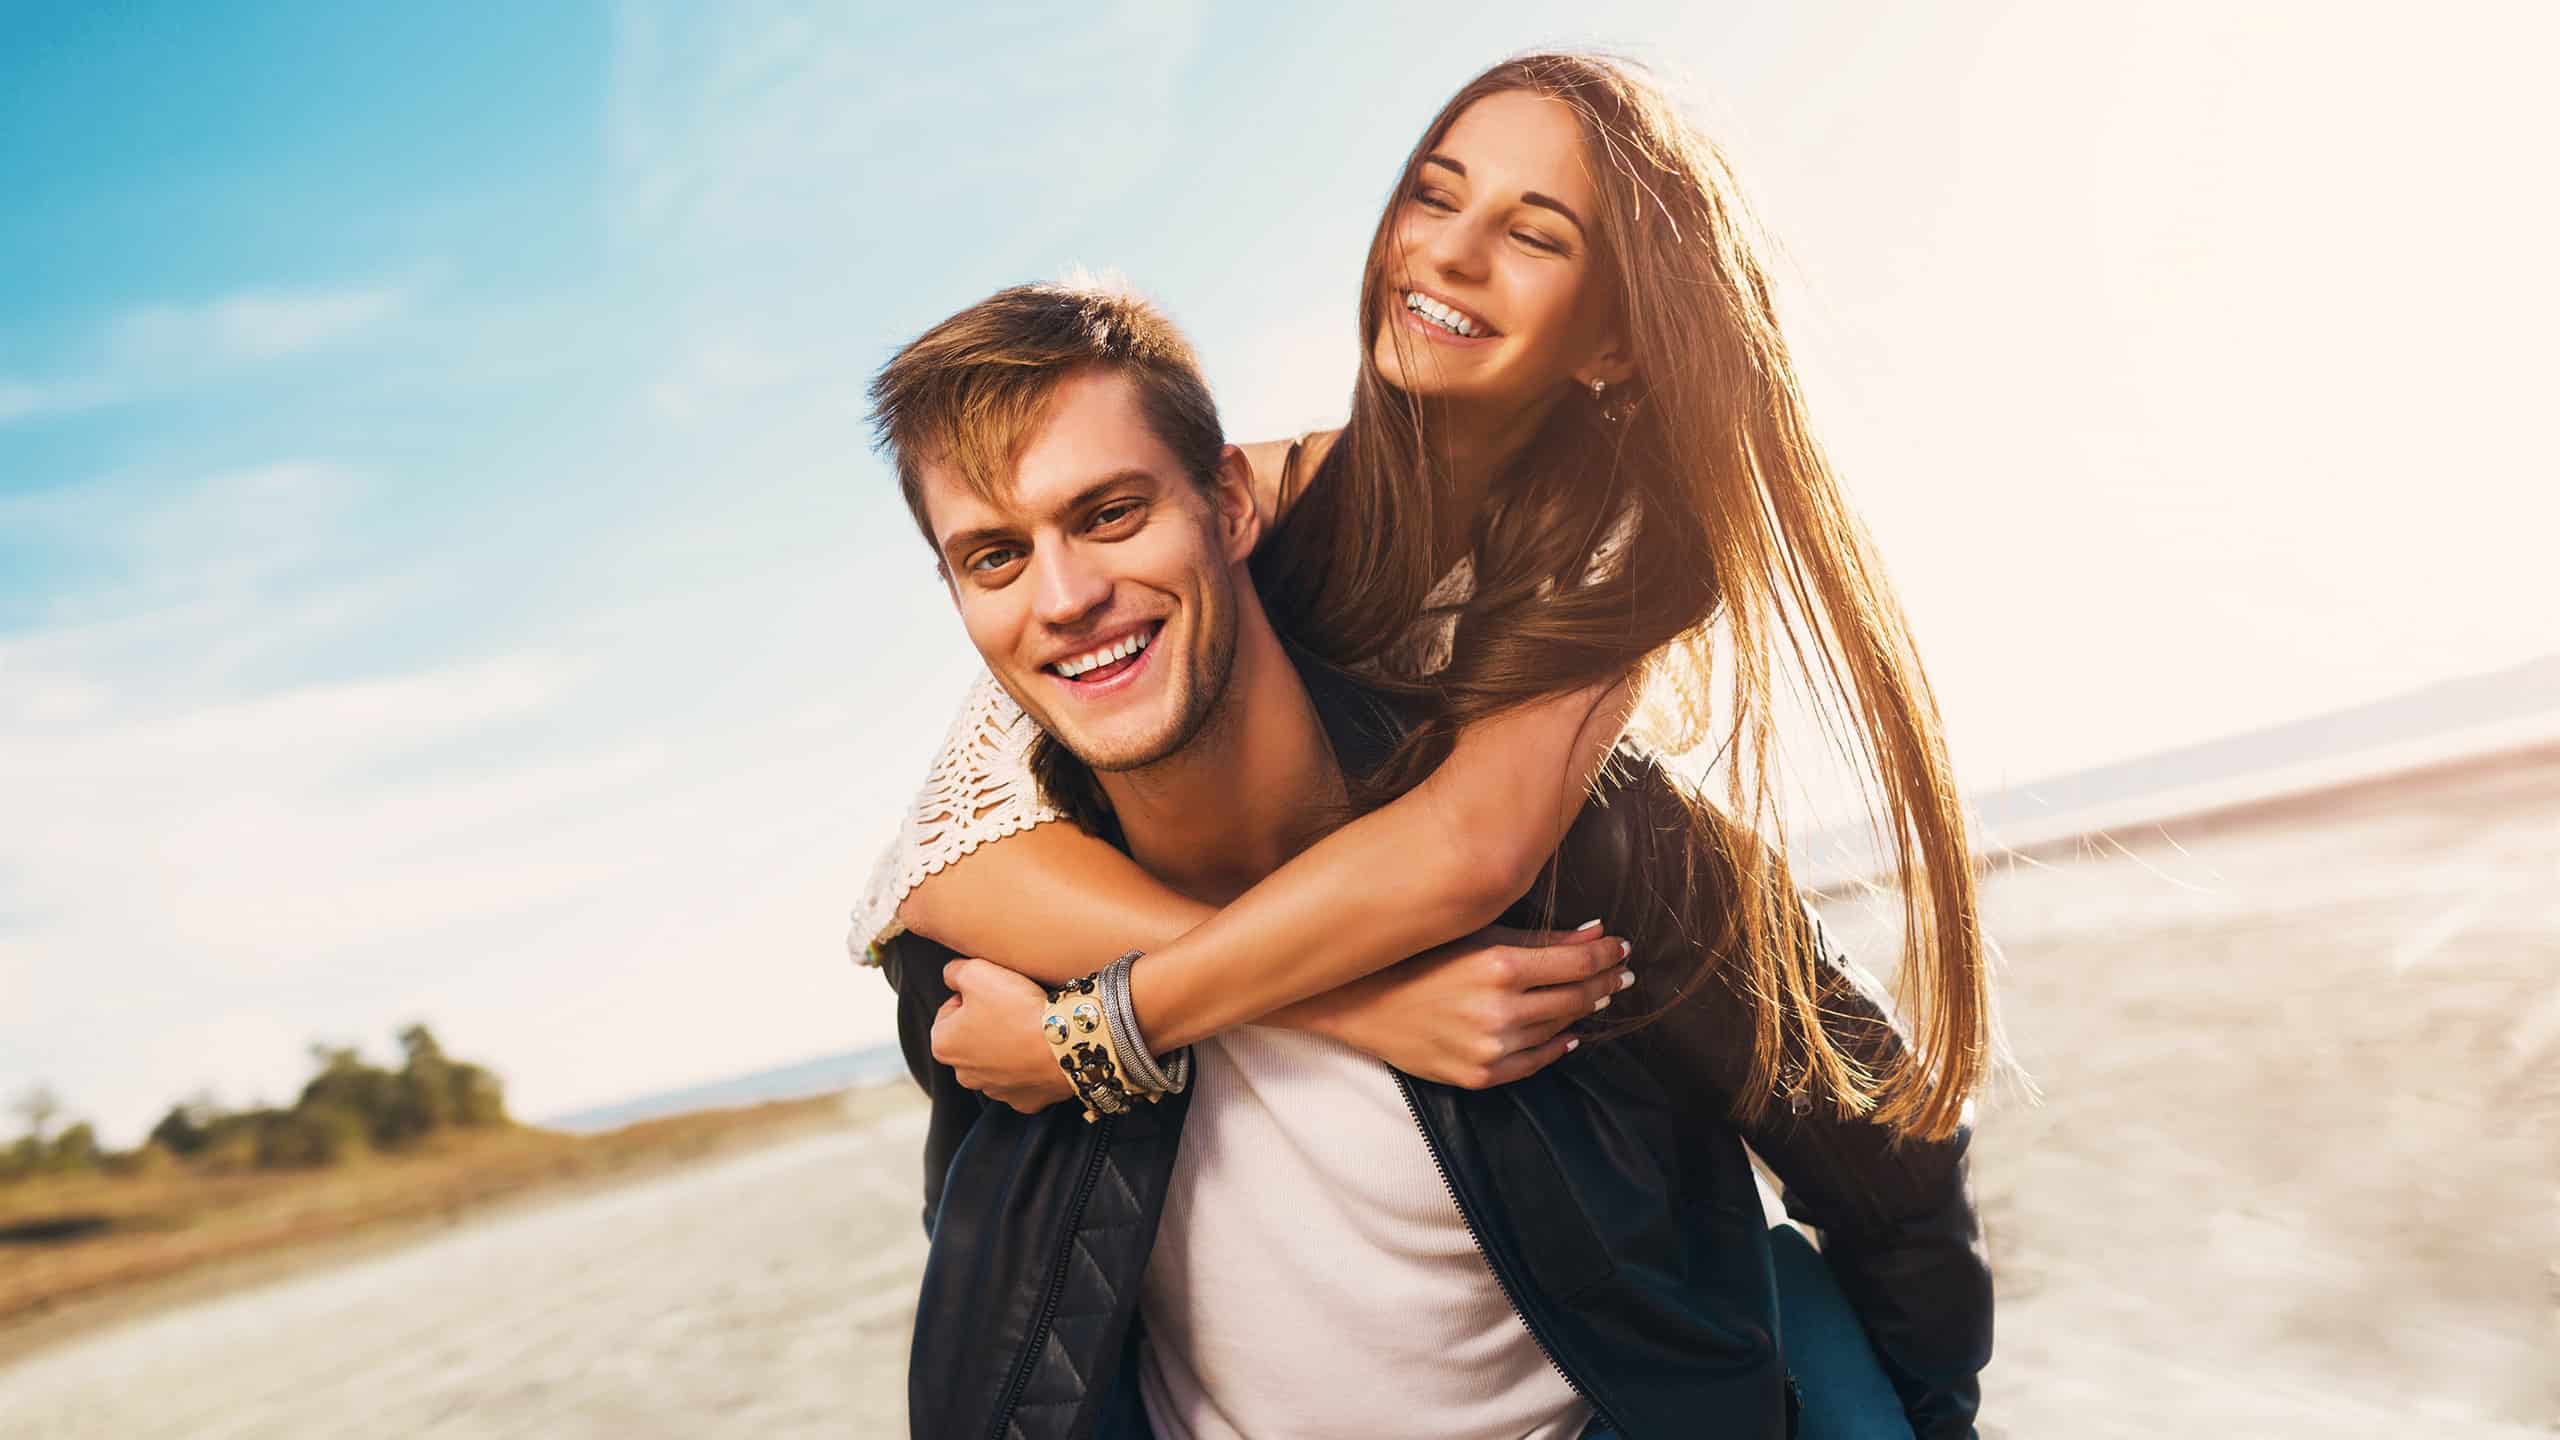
(884, 1060)
(2187, 785)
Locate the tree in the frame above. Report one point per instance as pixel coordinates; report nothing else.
(188, 1126)
(418, 1043)
(347, 1084)
(76, 1148)
(478, 1097)
(38, 1105)
(427, 1097)
(308, 1135)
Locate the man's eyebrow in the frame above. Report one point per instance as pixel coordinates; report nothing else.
(1532, 197)
(960, 542)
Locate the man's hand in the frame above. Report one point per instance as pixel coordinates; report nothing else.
(1477, 1012)
(988, 1032)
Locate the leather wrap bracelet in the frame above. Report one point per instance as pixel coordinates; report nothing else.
(1093, 1031)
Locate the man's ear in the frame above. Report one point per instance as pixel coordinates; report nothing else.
(1239, 516)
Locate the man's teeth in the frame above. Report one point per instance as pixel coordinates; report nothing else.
(1092, 659)
(1441, 315)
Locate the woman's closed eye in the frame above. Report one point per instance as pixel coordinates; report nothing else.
(1438, 202)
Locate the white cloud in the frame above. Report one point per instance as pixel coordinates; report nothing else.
(152, 347)
(246, 327)
(23, 399)
(606, 846)
(716, 371)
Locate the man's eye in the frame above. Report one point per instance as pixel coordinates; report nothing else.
(1110, 515)
(987, 562)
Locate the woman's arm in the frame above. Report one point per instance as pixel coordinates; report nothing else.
(1442, 861)
(1051, 902)
(1455, 852)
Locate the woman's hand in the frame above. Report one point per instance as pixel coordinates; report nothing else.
(1477, 1012)
(988, 1032)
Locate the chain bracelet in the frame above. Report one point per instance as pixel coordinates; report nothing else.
(1137, 1059)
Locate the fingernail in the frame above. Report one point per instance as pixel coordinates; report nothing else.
(1603, 1002)
(1572, 1045)
(1625, 949)
(1586, 925)
(1626, 978)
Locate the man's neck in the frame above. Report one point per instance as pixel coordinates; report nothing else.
(1255, 786)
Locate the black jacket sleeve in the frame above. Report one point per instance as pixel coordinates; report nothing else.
(913, 966)
(1896, 1214)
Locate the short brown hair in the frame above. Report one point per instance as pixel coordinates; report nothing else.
(969, 391)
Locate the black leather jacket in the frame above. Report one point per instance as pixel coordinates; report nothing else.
(1609, 1193)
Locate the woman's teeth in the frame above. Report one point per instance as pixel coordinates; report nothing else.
(1094, 659)
(1442, 316)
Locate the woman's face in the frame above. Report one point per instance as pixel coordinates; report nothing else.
(1493, 291)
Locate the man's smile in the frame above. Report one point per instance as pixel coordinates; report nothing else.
(1100, 668)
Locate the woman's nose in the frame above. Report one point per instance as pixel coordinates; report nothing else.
(1455, 247)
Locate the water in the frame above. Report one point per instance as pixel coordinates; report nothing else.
(820, 1076)
(2471, 716)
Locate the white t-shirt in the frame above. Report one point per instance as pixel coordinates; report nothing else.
(1312, 1276)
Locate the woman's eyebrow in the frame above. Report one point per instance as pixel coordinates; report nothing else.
(1531, 197)
(1549, 202)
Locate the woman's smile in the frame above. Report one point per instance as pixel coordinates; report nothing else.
(1447, 319)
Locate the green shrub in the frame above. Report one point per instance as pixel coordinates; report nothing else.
(307, 1136)
(76, 1148)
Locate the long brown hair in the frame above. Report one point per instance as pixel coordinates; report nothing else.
(1706, 469)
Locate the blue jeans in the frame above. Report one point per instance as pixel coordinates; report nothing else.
(1845, 1392)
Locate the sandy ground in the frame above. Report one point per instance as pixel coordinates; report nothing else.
(766, 1295)
(2295, 1173)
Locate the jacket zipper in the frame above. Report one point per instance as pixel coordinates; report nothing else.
(1501, 1278)
(1057, 1279)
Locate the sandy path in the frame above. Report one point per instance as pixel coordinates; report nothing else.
(768, 1295)
(2297, 1173)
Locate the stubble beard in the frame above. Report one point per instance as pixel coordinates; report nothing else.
(1204, 701)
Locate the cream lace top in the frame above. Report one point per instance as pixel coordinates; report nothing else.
(980, 788)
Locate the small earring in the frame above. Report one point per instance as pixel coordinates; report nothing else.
(1597, 386)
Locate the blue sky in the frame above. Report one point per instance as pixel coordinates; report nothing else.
(443, 574)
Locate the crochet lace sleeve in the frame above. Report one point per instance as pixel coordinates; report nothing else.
(980, 790)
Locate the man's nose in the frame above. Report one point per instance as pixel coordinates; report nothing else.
(1067, 587)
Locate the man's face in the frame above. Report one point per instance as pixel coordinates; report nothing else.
(1102, 589)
